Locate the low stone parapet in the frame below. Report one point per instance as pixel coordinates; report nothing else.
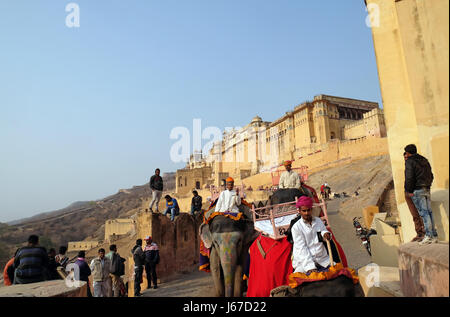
(380, 281)
(424, 269)
(57, 288)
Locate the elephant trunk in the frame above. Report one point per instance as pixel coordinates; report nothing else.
(229, 244)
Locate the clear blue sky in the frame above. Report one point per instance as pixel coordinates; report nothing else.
(87, 111)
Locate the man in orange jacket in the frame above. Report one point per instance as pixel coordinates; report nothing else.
(8, 273)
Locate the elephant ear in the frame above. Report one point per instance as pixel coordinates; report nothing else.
(205, 235)
(250, 234)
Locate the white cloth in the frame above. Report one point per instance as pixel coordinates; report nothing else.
(289, 180)
(307, 249)
(228, 201)
(267, 227)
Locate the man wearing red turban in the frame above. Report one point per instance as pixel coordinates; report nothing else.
(309, 253)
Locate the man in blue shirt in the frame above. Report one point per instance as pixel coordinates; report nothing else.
(172, 207)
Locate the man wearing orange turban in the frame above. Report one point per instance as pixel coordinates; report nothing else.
(229, 199)
(308, 253)
(289, 178)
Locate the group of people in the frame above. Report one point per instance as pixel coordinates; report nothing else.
(106, 270)
(325, 190)
(32, 264)
(172, 207)
(145, 258)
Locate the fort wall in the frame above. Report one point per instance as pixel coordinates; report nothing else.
(178, 244)
(117, 227)
(82, 245)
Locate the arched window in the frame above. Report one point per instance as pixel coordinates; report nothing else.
(332, 135)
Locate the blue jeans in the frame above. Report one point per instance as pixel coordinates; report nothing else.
(193, 210)
(422, 201)
(172, 211)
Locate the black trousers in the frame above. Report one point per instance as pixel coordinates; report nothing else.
(150, 269)
(138, 279)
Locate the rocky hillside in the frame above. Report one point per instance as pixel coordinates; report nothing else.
(72, 223)
(371, 178)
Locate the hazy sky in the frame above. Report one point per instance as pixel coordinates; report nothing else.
(86, 111)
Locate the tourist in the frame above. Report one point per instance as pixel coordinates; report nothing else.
(52, 273)
(229, 199)
(418, 223)
(172, 207)
(84, 271)
(139, 262)
(30, 262)
(418, 180)
(308, 252)
(8, 273)
(325, 190)
(100, 267)
(196, 203)
(151, 252)
(61, 258)
(156, 186)
(116, 271)
(289, 178)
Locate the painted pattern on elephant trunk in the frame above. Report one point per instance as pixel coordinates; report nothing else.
(228, 243)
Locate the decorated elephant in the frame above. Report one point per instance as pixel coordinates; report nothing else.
(287, 195)
(229, 238)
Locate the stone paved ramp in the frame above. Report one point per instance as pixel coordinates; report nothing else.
(195, 284)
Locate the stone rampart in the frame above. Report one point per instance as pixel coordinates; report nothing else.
(57, 288)
(178, 244)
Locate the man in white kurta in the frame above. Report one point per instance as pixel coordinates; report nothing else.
(289, 178)
(229, 199)
(308, 253)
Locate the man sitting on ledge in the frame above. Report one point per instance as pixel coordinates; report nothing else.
(30, 262)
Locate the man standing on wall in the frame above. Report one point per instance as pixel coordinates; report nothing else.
(418, 180)
(156, 185)
(289, 178)
(418, 223)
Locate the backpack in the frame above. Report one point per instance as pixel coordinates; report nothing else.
(157, 257)
(121, 270)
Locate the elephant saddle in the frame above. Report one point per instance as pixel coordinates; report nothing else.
(297, 279)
